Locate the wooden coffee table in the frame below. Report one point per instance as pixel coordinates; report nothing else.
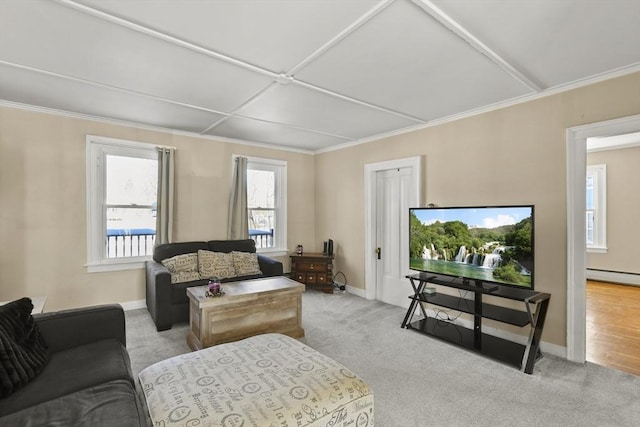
(247, 308)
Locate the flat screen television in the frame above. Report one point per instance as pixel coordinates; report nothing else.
(489, 243)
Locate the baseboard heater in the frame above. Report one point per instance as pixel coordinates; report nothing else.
(622, 277)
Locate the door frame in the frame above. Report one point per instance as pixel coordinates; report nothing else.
(576, 142)
(370, 196)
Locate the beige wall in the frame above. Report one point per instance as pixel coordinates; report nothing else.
(512, 155)
(43, 204)
(516, 155)
(623, 210)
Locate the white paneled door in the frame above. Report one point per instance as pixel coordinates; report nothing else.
(395, 190)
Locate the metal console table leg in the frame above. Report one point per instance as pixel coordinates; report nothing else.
(532, 350)
(417, 292)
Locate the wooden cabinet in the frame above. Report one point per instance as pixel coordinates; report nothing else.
(314, 270)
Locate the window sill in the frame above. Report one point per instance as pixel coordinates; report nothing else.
(119, 265)
(597, 249)
(273, 252)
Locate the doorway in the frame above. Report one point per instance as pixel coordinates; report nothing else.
(613, 326)
(391, 187)
(576, 226)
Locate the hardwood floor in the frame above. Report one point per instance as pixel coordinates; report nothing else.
(613, 326)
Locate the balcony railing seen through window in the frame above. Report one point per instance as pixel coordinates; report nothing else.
(122, 243)
(263, 238)
(261, 226)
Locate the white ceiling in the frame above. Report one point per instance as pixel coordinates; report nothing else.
(306, 74)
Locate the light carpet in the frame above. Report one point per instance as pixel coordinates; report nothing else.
(421, 381)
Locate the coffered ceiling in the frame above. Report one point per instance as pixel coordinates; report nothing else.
(307, 74)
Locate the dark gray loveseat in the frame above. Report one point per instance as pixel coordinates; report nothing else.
(87, 380)
(168, 303)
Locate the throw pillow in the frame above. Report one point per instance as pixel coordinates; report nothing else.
(246, 263)
(215, 264)
(23, 351)
(184, 276)
(183, 268)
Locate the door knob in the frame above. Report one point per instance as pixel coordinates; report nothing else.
(379, 252)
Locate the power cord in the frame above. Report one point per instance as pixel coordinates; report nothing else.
(444, 315)
(341, 286)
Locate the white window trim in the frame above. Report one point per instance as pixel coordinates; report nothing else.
(97, 148)
(280, 203)
(600, 201)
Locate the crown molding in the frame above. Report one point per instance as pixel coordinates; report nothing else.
(623, 71)
(123, 123)
(620, 72)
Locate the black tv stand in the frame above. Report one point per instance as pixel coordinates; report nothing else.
(522, 356)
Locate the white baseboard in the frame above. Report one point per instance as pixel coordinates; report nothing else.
(614, 277)
(545, 347)
(356, 291)
(134, 305)
(553, 349)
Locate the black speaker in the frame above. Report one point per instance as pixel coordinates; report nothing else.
(330, 247)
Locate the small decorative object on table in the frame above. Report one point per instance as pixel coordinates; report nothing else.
(299, 249)
(215, 290)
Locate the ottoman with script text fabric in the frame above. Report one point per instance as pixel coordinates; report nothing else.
(266, 380)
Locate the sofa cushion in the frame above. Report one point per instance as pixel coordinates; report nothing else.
(183, 268)
(23, 351)
(168, 250)
(245, 263)
(246, 245)
(73, 327)
(113, 403)
(215, 264)
(72, 370)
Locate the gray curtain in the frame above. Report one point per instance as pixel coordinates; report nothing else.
(238, 227)
(164, 216)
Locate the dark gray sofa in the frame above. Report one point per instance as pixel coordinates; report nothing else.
(168, 303)
(88, 379)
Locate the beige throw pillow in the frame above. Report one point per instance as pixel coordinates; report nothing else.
(215, 264)
(246, 263)
(183, 268)
(184, 276)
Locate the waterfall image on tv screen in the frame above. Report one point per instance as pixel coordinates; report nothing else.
(493, 244)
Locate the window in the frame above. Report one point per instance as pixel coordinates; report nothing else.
(596, 208)
(122, 182)
(266, 203)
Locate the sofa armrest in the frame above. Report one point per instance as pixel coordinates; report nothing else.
(159, 294)
(269, 266)
(74, 327)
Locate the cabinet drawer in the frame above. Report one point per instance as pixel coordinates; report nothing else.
(311, 266)
(300, 277)
(311, 279)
